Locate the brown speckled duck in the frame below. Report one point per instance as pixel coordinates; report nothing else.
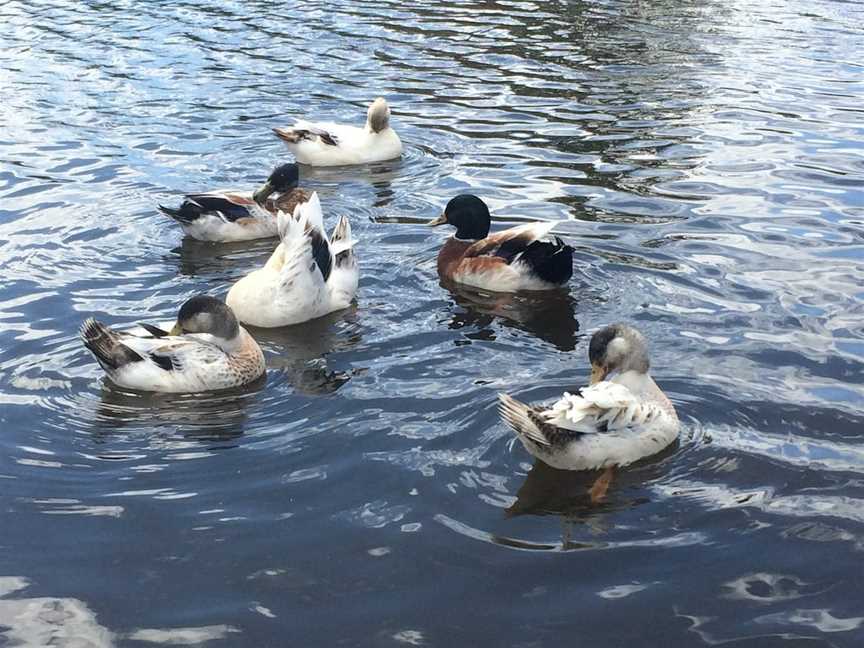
(206, 350)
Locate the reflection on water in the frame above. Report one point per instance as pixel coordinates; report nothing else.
(702, 159)
(211, 260)
(549, 491)
(301, 350)
(214, 416)
(547, 315)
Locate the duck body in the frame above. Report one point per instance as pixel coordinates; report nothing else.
(520, 258)
(227, 215)
(207, 350)
(508, 261)
(326, 144)
(307, 276)
(610, 423)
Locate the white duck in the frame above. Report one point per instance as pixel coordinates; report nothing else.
(237, 215)
(307, 276)
(613, 422)
(206, 350)
(326, 144)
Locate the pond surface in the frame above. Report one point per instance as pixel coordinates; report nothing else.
(706, 160)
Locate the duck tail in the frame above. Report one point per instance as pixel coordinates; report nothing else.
(105, 345)
(184, 215)
(552, 261)
(288, 135)
(524, 420)
(310, 213)
(341, 241)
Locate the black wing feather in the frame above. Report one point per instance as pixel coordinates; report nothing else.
(164, 361)
(155, 331)
(321, 253)
(208, 203)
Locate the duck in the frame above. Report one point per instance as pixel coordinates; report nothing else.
(325, 144)
(520, 258)
(206, 350)
(227, 215)
(621, 417)
(307, 276)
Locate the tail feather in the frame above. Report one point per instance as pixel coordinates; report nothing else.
(311, 210)
(340, 240)
(105, 345)
(169, 211)
(185, 214)
(288, 135)
(552, 261)
(525, 421)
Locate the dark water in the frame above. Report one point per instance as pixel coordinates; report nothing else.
(707, 158)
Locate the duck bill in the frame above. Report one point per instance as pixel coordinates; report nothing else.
(598, 373)
(263, 193)
(438, 221)
(176, 330)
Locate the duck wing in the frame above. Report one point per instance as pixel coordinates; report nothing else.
(305, 130)
(114, 350)
(550, 260)
(229, 207)
(509, 243)
(603, 407)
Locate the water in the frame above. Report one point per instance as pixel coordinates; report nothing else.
(707, 162)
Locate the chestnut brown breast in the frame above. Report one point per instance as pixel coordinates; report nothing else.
(450, 255)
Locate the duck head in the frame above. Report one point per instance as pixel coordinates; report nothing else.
(617, 347)
(378, 115)
(205, 314)
(284, 178)
(468, 214)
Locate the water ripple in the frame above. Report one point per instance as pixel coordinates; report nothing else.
(704, 162)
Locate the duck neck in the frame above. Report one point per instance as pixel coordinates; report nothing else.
(636, 381)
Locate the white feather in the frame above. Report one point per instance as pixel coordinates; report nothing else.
(290, 288)
(613, 425)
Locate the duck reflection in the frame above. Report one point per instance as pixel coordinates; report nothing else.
(379, 175)
(300, 351)
(220, 260)
(214, 416)
(550, 491)
(548, 315)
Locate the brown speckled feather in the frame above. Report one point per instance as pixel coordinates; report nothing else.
(287, 201)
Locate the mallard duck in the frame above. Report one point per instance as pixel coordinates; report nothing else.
(519, 258)
(307, 276)
(325, 144)
(227, 215)
(206, 350)
(621, 417)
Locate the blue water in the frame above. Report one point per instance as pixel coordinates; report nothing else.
(707, 162)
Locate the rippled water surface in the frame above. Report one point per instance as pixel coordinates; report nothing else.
(707, 161)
